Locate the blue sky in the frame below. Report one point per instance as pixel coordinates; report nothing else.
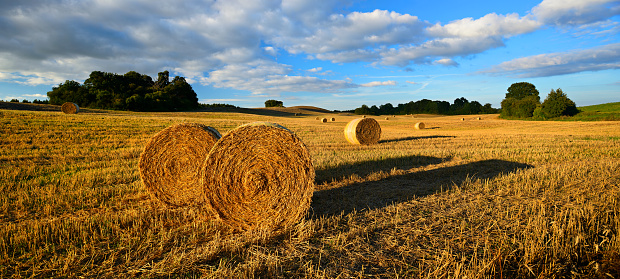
(331, 54)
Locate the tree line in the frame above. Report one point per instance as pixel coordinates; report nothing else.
(458, 107)
(523, 101)
(131, 91)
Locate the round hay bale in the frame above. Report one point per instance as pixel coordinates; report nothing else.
(462, 119)
(318, 118)
(171, 161)
(420, 125)
(364, 116)
(477, 118)
(324, 120)
(387, 118)
(363, 131)
(333, 119)
(258, 176)
(70, 108)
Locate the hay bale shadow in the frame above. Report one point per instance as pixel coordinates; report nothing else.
(414, 138)
(400, 188)
(367, 167)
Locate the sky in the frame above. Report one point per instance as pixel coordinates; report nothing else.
(332, 54)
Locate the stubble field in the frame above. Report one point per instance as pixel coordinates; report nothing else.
(485, 198)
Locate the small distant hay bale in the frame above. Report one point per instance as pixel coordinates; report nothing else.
(364, 116)
(318, 118)
(477, 118)
(420, 125)
(258, 176)
(333, 119)
(70, 108)
(363, 131)
(296, 114)
(324, 120)
(462, 119)
(171, 161)
(387, 118)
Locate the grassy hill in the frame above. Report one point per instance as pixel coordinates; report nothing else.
(609, 111)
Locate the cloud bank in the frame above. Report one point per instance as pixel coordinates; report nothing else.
(235, 44)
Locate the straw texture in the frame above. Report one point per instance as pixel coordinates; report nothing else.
(258, 176)
(171, 162)
(363, 131)
(70, 108)
(420, 125)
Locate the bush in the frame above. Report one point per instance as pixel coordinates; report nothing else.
(14, 101)
(273, 103)
(558, 104)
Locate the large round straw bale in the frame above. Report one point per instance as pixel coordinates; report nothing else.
(333, 119)
(70, 108)
(323, 120)
(363, 131)
(419, 125)
(171, 162)
(258, 176)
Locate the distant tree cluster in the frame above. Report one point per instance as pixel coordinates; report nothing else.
(131, 91)
(273, 103)
(460, 106)
(523, 101)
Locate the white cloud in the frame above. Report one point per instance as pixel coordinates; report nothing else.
(446, 62)
(446, 47)
(574, 12)
(266, 77)
(412, 82)
(315, 70)
(489, 25)
(594, 59)
(379, 83)
(36, 95)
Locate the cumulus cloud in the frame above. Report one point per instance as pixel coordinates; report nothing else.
(574, 12)
(379, 83)
(595, 59)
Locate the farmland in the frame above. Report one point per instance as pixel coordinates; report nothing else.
(487, 198)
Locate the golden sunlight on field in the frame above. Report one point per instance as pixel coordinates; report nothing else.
(461, 198)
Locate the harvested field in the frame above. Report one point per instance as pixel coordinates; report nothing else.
(477, 199)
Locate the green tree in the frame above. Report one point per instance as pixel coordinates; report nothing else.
(363, 110)
(521, 90)
(273, 103)
(521, 100)
(558, 104)
(65, 92)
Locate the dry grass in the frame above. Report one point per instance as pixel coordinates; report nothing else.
(475, 199)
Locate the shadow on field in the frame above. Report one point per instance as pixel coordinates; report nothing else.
(399, 188)
(414, 138)
(367, 167)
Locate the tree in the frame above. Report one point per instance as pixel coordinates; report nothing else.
(64, 92)
(521, 100)
(521, 90)
(273, 103)
(558, 104)
(363, 110)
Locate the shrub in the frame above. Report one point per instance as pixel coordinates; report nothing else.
(273, 103)
(558, 104)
